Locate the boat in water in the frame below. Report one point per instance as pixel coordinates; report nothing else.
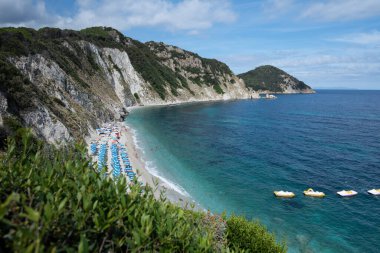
(348, 193)
(374, 192)
(270, 96)
(311, 193)
(284, 194)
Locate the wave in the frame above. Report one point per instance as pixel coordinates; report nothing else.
(152, 168)
(149, 165)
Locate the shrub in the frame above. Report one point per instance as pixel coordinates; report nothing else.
(53, 200)
(137, 97)
(250, 236)
(218, 89)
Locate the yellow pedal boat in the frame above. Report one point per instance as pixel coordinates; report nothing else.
(284, 194)
(311, 193)
(374, 192)
(348, 193)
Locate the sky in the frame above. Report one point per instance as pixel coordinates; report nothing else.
(325, 43)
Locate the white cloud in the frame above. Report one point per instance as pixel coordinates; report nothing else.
(24, 13)
(322, 10)
(370, 38)
(186, 15)
(313, 67)
(275, 8)
(338, 10)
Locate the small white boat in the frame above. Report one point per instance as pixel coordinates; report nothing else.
(374, 191)
(270, 96)
(348, 193)
(311, 193)
(284, 194)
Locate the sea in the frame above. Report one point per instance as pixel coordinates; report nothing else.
(230, 156)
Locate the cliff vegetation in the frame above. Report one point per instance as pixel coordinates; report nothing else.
(270, 78)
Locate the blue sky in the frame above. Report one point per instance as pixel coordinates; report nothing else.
(326, 43)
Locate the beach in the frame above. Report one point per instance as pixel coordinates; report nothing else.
(136, 157)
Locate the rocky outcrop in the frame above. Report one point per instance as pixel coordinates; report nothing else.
(269, 79)
(3, 107)
(201, 78)
(50, 129)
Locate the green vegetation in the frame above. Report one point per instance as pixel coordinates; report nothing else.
(9, 128)
(148, 65)
(196, 80)
(242, 234)
(102, 36)
(17, 89)
(137, 97)
(53, 200)
(23, 96)
(269, 78)
(218, 89)
(206, 74)
(50, 43)
(193, 70)
(216, 66)
(116, 67)
(101, 32)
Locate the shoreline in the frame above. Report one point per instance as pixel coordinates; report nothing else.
(174, 103)
(159, 184)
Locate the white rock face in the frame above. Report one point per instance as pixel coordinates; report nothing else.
(111, 89)
(288, 86)
(49, 76)
(51, 130)
(126, 78)
(3, 107)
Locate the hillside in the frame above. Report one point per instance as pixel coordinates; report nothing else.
(272, 79)
(201, 73)
(62, 83)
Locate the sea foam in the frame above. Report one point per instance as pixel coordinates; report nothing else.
(152, 169)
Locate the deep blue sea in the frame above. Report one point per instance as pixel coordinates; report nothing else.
(231, 156)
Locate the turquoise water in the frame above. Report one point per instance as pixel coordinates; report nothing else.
(232, 155)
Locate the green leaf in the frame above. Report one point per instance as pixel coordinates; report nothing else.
(48, 212)
(83, 245)
(32, 214)
(95, 205)
(3, 206)
(62, 204)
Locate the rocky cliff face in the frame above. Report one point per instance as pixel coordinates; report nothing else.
(62, 83)
(201, 78)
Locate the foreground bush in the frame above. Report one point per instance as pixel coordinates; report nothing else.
(251, 236)
(54, 201)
